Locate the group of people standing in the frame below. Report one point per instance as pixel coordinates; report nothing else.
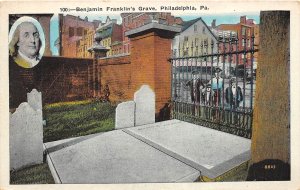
(211, 93)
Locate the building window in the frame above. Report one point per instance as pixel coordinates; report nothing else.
(248, 42)
(186, 38)
(196, 41)
(243, 31)
(71, 31)
(195, 28)
(163, 15)
(203, 30)
(79, 31)
(243, 42)
(185, 53)
(205, 42)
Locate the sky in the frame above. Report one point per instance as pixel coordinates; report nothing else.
(220, 19)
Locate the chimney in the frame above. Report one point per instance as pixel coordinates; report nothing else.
(250, 21)
(213, 23)
(243, 20)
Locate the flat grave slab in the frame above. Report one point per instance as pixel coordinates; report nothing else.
(210, 151)
(114, 157)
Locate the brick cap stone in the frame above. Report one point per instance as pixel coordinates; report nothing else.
(153, 25)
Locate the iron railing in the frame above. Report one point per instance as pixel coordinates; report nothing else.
(204, 95)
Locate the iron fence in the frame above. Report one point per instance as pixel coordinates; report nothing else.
(213, 83)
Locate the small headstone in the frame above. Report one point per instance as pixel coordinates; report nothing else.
(34, 99)
(125, 115)
(25, 137)
(144, 100)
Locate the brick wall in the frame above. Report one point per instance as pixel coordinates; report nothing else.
(70, 48)
(116, 33)
(116, 73)
(58, 78)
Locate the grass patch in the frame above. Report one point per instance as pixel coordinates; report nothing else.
(37, 174)
(72, 119)
(240, 175)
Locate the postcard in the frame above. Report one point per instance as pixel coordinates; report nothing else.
(149, 95)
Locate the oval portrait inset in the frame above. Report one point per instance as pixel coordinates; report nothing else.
(26, 42)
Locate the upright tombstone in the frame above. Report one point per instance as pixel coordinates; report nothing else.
(34, 99)
(125, 115)
(25, 137)
(144, 100)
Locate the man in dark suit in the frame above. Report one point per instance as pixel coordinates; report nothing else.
(196, 86)
(233, 94)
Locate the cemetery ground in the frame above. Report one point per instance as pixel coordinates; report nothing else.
(71, 119)
(67, 120)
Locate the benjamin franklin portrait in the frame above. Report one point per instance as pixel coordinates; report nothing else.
(26, 44)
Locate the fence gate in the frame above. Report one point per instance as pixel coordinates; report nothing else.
(213, 82)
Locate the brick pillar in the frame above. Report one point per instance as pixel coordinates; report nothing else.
(271, 122)
(97, 51)
(150, 51)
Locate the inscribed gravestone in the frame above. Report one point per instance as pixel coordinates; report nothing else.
(144, 100)
(34, 99)
(125, 115)
(25, 137)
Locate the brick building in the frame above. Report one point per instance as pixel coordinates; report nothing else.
(84, 43)
(134, 20)
(110, 32)
(117, 48)
(72, 29)
(256, 41)
(245, 29)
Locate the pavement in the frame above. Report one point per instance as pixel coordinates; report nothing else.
(164, 152)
